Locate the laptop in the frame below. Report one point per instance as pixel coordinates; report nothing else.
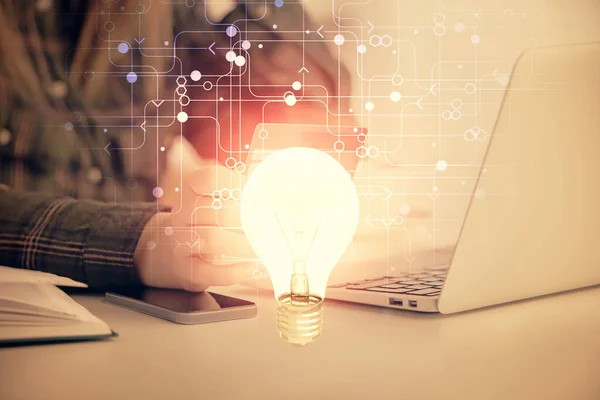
(535, 233)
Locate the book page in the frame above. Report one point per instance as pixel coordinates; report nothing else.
(8, 318)
(18, 275)
(35, 311)
(36, 298)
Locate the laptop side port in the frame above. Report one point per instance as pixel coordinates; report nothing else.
(396, 302)
(412, 303)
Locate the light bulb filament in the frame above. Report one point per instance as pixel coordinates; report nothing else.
(299, 249)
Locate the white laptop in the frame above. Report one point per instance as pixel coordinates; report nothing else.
(536, 232)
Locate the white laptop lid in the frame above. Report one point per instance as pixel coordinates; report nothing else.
(531, 228)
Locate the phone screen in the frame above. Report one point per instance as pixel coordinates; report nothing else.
(183, 302)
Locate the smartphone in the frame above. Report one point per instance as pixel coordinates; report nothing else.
(183, 307)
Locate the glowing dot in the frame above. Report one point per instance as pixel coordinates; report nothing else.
(433, 144)
(395, 97)
(162, 148)
(247, 146)
(439, 19)
(470, 88)
(307, 31)
(246, 45)
(123, 48)
(221, 99)
(168, 231)
(290, 100)
(435, 188)
(195, 75)
(231, 31)
(339, 40)
(459, 66)
(240, 61)
(475, 39)
(459, 27)
(131, 77)
(279, 3)
(370, 106)
(166, 43)
(296, 85)
(355, 130)
(260, 46)
(351, 110)
(177, 189)
(416, 32)
(404, 209)
(69, 126)
(158, 192)
(362, 49)
(182, 116)
(442, 165)
(274, 26)
(230, 56)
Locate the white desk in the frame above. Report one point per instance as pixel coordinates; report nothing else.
(541, 349)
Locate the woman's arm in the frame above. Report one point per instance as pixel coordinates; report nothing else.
(107, 244)
(89, 241)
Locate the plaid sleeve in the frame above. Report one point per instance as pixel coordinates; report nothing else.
(89, 241)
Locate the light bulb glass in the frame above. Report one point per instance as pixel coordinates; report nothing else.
(299, 211)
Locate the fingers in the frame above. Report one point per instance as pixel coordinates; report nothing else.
(207, 212)
(210, 197)
(204, 301)
(223, 243)
(213, 244)
(206, 275)
(215, 178)
(216, 212)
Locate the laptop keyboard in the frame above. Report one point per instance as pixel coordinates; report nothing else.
(424, 283)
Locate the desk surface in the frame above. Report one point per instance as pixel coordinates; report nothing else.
(547, 348)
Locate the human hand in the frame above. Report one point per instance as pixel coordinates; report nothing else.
(181, 249)
(175, 301)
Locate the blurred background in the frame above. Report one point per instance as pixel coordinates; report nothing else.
(428, 79)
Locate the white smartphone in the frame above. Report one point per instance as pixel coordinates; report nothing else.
(183, 307)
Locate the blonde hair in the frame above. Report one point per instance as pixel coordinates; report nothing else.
(104, 27)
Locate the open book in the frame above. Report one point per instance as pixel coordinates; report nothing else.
(33, 309)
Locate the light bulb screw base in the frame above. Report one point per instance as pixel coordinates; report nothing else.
(299, 323)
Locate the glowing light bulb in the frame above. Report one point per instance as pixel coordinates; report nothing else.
(299, 211)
